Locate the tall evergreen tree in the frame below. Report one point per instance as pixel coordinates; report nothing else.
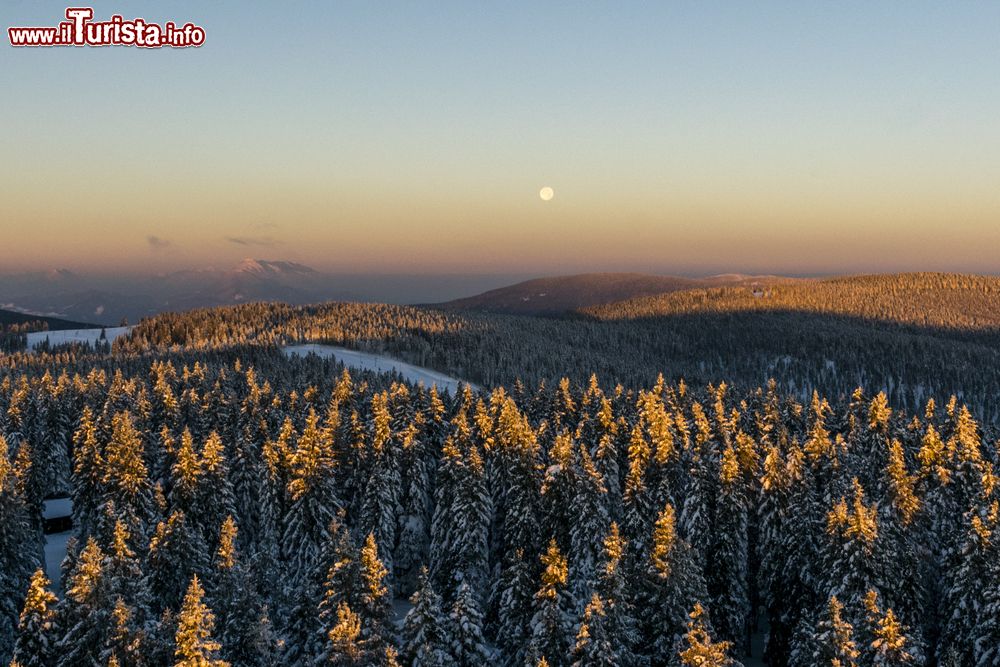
(425, 632)
(195, 646)
(697, 649)
(552, 623)
(36, 631)
(465, 629)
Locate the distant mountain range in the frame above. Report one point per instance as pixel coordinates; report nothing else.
(561, 294)
(106, 300)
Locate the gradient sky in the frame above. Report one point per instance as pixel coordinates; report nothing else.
(694, 137)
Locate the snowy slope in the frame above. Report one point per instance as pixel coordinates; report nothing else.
(380, 364)
(88, 336)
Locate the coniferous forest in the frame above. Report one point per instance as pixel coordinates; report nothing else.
(232, 505)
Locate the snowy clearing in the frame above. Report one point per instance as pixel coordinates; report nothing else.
(55, 552)
(380, 364)
(88, 336)
(54, 508)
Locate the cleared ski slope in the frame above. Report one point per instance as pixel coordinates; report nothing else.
(380, 364)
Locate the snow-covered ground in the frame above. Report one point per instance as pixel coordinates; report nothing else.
(55, 543)
(88, 336)
(55, 552)
(380, 364)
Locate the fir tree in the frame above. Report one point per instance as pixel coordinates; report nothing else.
(15, 566)
(36, 631)
(85, 615)
(425, 633)
(468, 647)
(515, 595)
(552, 623)
(314, 500)
(127, 642)
(176, 552)
(728, 576)
(345, 646)
(242, 619)
(594, 647)
(673, 584)
(830, 642)
(374, 600)
(698, 649)
(194, 645)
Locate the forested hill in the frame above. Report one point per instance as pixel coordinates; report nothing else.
(952, 302)
(802, 350)
(10, 318)
(14, 326)
(561, 294)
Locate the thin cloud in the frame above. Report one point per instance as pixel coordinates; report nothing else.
(253, 240)
(157, 244)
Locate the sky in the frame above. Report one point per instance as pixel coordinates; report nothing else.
(414, 137)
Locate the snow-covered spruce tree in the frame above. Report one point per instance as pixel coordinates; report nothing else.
(124, 478)
(967, 583)
(851, 560)
(728, 573)
(374, 603)
(410, 554)
(15, 567)
(554, 617)
(587, 531)
(335, 579)
(594, 646)
(176, 552)
(184, 474)
(658, 425)
(465, 629)
(48, 435)
(194, 644)
(829, 642)
(515, 601)
(519, 480)
(901, 546)
(242, 626)
(803, 541)
(441, 566)
(344, 645)
(123, 570)
(673, 584)
(84, 616)
(987, 632)
(616, 598)
(558, 490)
(88, 471)
(701, 489)
(697, 649)
(314, 501)
(127, 644)
(36, 631)
(246, 475)
(382, 489)
(425, 633)
(888, 642)
(214, 490)
(31, 488)
(638, 511)
(470, 524)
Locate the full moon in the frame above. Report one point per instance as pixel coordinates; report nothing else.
(546, 193)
